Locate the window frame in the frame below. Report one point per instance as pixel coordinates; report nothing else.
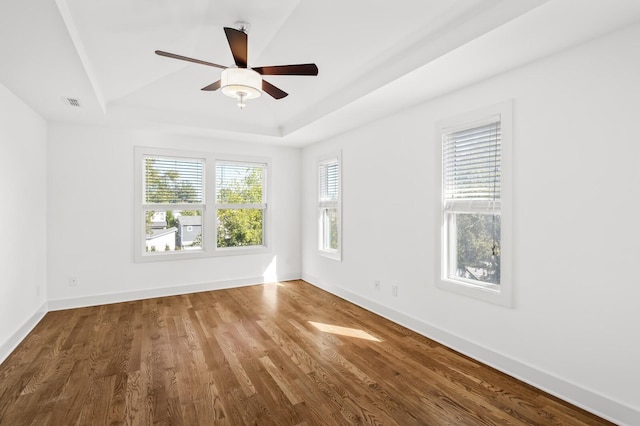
(500, 294)
(322, 205)
(208, 206)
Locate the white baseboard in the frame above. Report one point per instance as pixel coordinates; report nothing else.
(104, 299)
(584, 398)
(19, 335)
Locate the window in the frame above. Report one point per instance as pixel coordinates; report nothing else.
(173, 189)
(196, 205)
(329, 209)
(474, 203)
(240, 204)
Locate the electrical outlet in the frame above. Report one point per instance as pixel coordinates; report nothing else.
(73, 281)
(376, 284)
(394, 290)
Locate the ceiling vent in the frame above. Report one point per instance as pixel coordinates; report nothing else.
(72, 102)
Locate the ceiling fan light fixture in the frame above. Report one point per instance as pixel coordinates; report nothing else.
(241, 84)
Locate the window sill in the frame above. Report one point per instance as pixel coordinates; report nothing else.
(334, 255)
(491, 293)
(172, 255)
(200, 254)
(246, 250)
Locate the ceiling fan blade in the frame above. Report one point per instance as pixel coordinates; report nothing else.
(185, 58)
(238, 43)
(298, 69)
(273, 90)
(212, 86)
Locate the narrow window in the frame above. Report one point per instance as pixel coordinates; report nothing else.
(240, 204)
(329, 209)
(472, 205)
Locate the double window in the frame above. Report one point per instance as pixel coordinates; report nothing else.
(474, 205)
(195, 205)
(329, 208)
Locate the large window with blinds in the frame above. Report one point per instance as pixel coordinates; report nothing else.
(173, 196)
(195, 205)
(329, 209)
(475, 170)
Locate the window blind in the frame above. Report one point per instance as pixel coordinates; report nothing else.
(171, 180)
(471, 164)
(240, 183)
(329, 180)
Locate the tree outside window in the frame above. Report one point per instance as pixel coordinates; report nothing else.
(240, 204)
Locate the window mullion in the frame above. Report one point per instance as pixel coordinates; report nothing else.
(242, 206)
(154, 206)
(328, 204)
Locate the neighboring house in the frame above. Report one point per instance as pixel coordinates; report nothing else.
(161, 239)
(189, 227)
(158, 220)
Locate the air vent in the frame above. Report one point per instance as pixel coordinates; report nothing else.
(73, 102)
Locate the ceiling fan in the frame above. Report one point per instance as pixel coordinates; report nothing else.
(242, 82)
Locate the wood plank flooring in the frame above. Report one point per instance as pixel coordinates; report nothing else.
(275, 354)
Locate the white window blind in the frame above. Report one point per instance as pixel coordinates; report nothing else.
(471, 167)
(240, 204)
(240, 183)
(329, 180)
(172, 180)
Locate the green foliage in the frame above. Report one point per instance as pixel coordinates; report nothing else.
(197, 241)
(478, 251)
(172, 221)
(166, 187)
(147, 225)
(241, 227)
(243, 191)
(330, 228)
(333, 220)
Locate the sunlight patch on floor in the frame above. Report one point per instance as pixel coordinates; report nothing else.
(270, 294)
(344, 331)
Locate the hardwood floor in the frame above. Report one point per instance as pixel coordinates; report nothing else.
(275, 354)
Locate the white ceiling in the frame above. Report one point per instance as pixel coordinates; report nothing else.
(375, 57)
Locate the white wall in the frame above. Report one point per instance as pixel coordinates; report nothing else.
(91, 219)
(574, 327)
(23, 219)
